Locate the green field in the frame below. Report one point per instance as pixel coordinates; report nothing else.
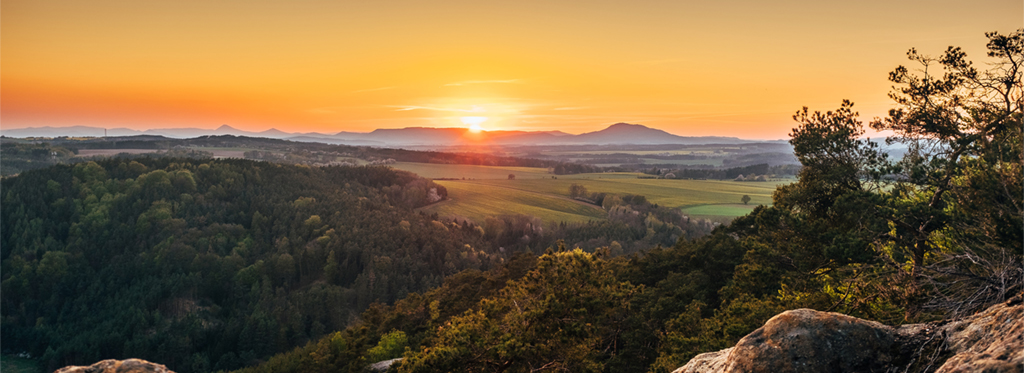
(487, 191)
(724, 210)
(468, 200)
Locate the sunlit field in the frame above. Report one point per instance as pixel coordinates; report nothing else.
(488, 191)
(468, 200)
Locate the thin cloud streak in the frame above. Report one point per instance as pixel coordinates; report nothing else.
(661, 62)
(372, 89)
(412, 107)
(465, 82)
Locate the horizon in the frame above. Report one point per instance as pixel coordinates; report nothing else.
(226, 127)
(698, 69)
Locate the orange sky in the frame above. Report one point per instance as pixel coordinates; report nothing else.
(732, 67)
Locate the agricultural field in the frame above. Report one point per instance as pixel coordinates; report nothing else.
(476, 202)
(113, 152)
(487, 191)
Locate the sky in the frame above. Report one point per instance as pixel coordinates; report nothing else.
(693, 68)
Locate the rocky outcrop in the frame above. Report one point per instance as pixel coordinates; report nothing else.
(118, 366)
(811, 341)
(382, 366)
(991, 341)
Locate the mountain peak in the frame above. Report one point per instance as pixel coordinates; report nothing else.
(626, 125)
(630, 128)
(274, 131)
(225, 127)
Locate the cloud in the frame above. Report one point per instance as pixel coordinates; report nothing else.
(372, 89)
(465, 82)
(662, 62)
(572, 108)
(474, 109)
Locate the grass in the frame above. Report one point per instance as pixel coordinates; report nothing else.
(673, 193)
(719, 210)
(486, 191)
(475, 202)
(15, 364)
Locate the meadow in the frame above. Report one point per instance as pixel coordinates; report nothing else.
(487, 191)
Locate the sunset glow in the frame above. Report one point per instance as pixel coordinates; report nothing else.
(738, 68)
(474, 123)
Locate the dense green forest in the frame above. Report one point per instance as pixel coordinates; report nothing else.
(210, 264)
(934, 234)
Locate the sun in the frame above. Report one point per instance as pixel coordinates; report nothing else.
(474, 123)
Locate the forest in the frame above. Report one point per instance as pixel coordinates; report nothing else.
(237, 265)
(215, 264)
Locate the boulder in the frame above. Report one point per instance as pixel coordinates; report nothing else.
(805, 340)
(118, 366)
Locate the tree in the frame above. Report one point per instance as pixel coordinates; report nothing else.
(577, 191)
(834, 205)
(950, 123)
(391, 345)
(567, 314)
(951, 206)
(833, 156)
(745, 199)
(958, 188)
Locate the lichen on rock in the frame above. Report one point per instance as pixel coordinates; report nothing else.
(117, 366)
(806, 340)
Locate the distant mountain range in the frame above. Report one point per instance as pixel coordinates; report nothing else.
(616, 134)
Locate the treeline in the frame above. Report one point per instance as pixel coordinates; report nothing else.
(481, 159)
(936, 234)
(722, 174)
(284, 151)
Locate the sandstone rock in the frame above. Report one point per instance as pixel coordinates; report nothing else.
(806, 340)
(118, 366)
(991, 341)
(382, 366)
(811, 341)
(707, 362)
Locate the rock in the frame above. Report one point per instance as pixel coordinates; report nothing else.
(991, 341)
(706, 362)
(382, 366)
(811, 341)
(805, 340)
(118, 366)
